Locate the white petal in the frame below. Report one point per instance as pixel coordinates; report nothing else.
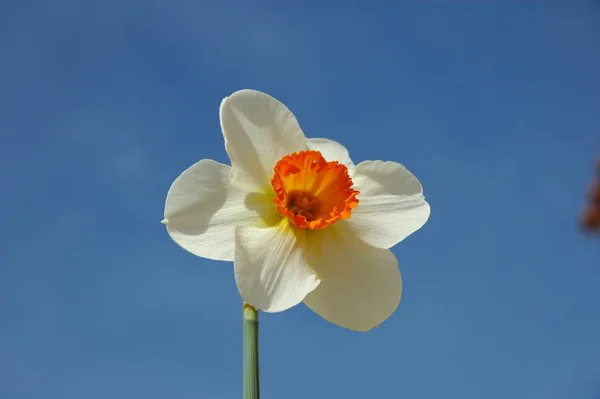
(331, 151)
(203, 208)
(259, 131)
(270, 270)
(360, 285)
(391, 203)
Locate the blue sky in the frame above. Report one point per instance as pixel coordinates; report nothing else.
(495, 106)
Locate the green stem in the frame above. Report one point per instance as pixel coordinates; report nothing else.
(251, 385)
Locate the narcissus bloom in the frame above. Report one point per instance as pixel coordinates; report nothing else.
(300, 221)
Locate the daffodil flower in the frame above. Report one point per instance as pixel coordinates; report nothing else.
(300, 221)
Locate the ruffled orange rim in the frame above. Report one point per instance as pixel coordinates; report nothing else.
(312, 192)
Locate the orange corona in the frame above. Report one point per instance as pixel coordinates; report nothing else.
(312, 192)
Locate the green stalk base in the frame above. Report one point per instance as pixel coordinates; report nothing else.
(251, 380)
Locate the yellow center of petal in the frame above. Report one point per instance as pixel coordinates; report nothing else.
(312, 192)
